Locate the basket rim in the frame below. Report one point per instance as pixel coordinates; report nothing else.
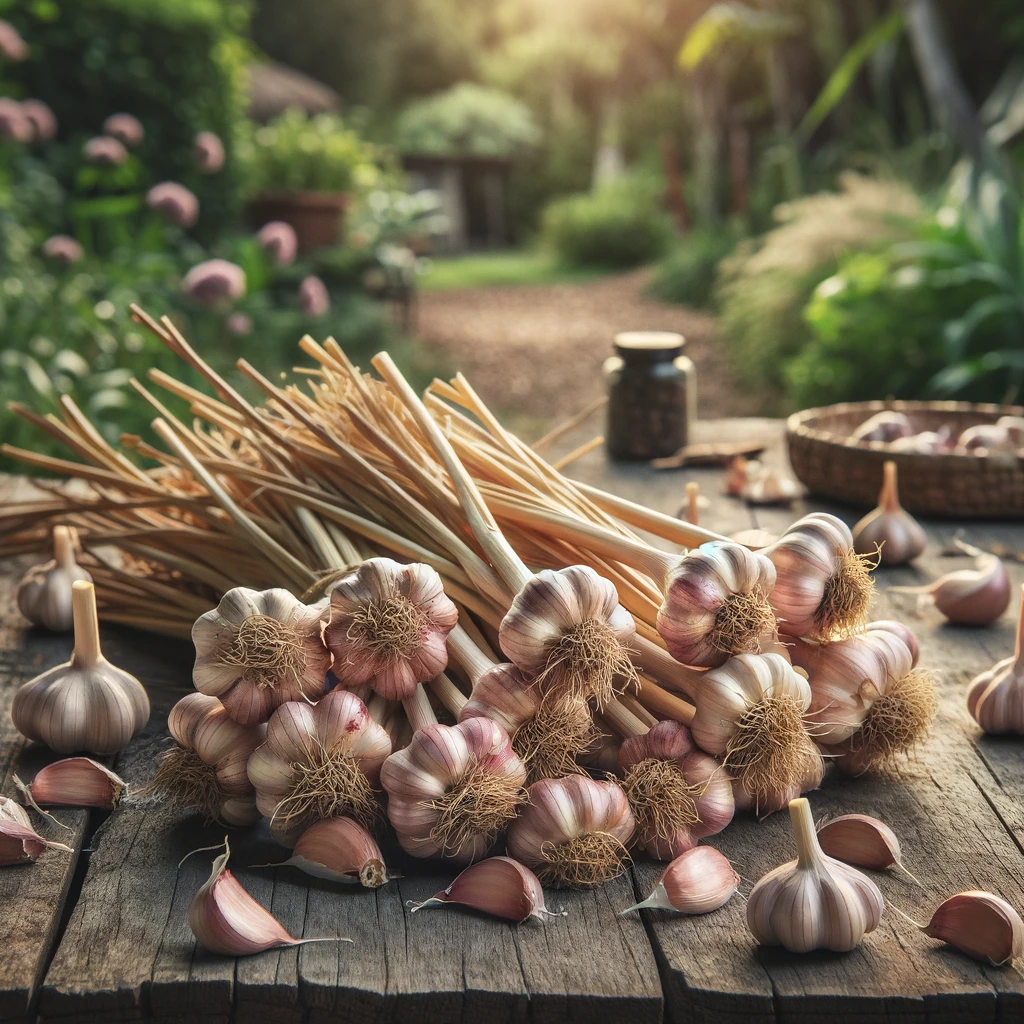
(798, 425)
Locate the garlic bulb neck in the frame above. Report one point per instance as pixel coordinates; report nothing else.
(889, 531)
(64, 547)
(87, 626)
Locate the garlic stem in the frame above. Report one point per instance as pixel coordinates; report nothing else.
(448, 694)
(661, 702)
(63, 547)
(808, 850)
(418, 709)
(473, 661)
(87, 626)
(693, 502)
(623, 721)
(888, 499)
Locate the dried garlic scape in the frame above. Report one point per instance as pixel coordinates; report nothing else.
(979, 924)
(822, 586)
(573, 832)
(74, 782)
(206, 771)
(388, 626)
(677, 793)
(969, 597)
(698, 881)
(995, 698)
(44, 594)
(751, 713)
(86, 704)
(863, 841)
(227, 920)
(318, 761)
(258, 649)
(813, 902)
(499, 886)
(890, 531)
(340, 850)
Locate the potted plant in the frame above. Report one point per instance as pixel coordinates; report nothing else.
(302, 171)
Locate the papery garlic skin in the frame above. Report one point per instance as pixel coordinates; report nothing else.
(995, 698)
(813, 902)
(698, 881)
(889, 530)
(981, 925)
(388, 627)
(44, 593)
(716, 604)
(573, 831)
(453, 789)
(318, 761)
(678, 794)
(259, 649)
(499, 886)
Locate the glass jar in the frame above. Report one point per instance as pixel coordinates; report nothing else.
(651, 395)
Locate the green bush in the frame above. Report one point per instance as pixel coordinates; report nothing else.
(177, 65)
(617, 225)
(687, 273)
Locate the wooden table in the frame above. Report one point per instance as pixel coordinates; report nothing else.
(104, 936)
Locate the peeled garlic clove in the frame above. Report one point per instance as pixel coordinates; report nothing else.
(86, 704)
(44, 594)
(886, 425)
(499, 886)
(76, 782)
(890, 530)
(981, 925)
(340, 850)
(813, 902)
(861, 840)
(696, 882)
(995, 698)
(20, 844)
(968, 597)
(227, 920)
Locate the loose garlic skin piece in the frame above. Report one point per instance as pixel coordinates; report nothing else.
(995, 698)
(573, 832)
(318, 761)
(716, 604)
(388, 627)
(453, 789)
(44, 594)
(86, 704)
(822, 586)
(259, 649)
(813, 902)
(677, 793)
(889, 530)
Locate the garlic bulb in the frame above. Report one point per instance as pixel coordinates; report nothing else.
(258, 649)
(716, 604)
(986, 438)
(454, 789)
(44, 594)
(696, 882)
(206, 771)
(981, 925)
(499, 886)
(388, 626)
(928, 442)
(573, 831)
(677, 793)
(318, 761)
(968, 597)
(813, 902)
(890, 531)
(822, 586)
(886, 425)
(995, 698)
(86, 704)
(751, 713)
(340, 850)
(863, 841)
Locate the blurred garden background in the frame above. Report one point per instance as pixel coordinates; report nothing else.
(822, 195)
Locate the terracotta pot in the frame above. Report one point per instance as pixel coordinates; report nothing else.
(315, 216)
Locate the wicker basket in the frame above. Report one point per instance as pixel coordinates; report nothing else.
(961, 486)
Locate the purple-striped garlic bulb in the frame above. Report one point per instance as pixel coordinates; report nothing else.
(996, 697)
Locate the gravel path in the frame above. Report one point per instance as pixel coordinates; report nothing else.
(534, 353)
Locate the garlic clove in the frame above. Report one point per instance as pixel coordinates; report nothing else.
(861, 840)
(696, 882)
(340, 850)
(44, 594)
(884, 426)
(11, 810)
(21, 844)
(1014, 427)
(889, 530)
(968, 597)
(76, 782)
(981, 925)
(227, 920)
(995, 698)
(499, 886)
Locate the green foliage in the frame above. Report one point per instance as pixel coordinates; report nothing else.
(297, 154)
(687, 273)
(499, 269)
(177, 65)
(617, 225)
(467, 120)
(728, 23)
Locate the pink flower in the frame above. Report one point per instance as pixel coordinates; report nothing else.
(174, 202)
(314, 298)
(106, 151)
(12, 46)
(238, 324)
(125, 128)
(14, 125)
(214, 282)
(63, 249)
(279, 240)
(208, 152)
(42, 119)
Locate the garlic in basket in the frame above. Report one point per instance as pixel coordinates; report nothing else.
(44, 594)
(86, 704)
(996, 697)
(258, 649)
(886, 425)
(890, 531)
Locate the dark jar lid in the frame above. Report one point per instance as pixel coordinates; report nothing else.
(641, 347)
